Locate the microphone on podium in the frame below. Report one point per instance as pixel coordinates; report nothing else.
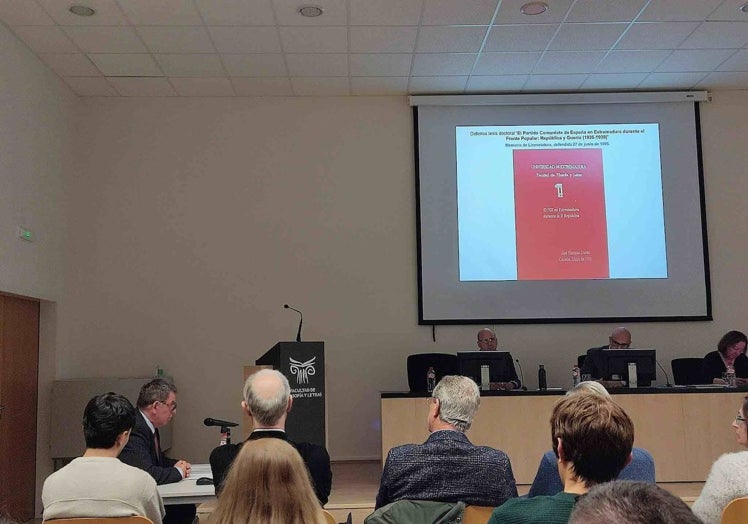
(301, 321)
(216, 422)
(521, 374)
(667, 377)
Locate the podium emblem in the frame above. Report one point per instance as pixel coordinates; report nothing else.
(302, 370)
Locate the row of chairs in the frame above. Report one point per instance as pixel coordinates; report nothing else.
(685, 370)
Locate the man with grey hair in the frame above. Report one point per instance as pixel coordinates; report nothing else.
(448, 467)
(267, 401)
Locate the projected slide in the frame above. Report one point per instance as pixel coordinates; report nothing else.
(560, 202)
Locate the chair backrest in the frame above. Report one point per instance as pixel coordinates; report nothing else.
(477, 514)
(580, 360)
(687, 371)
(328, 517)
(736, 512)
(419, 364)
(135, 519)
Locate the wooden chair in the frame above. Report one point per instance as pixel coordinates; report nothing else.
(328, 517)
(135, 519)
(477, 514)
(736, 512)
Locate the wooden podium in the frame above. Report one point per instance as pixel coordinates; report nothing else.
(303, 364)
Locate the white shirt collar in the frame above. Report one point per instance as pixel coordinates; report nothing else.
(151, 426)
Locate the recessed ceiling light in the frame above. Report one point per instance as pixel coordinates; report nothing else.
(81, 10)
(534, 8)
(744, 8)
(311, 11)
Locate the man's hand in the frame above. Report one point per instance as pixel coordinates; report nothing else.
(184, 467)
(506, 386)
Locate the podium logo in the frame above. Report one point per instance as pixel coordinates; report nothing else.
(302, 370)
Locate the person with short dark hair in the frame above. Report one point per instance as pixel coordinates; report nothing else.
(98, 484)
(592, 437)
(632, 503)
(730, 352)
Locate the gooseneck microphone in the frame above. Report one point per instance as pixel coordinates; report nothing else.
(521, 374)
(216, 422)
(301, 321)
(667, 378)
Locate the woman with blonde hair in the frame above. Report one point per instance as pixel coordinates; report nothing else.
(268, 483)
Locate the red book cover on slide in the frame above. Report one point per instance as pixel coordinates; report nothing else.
(559, 197)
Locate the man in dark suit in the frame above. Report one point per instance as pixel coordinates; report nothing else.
(157, 404)
(620, 338)
(267, 401)
(448, 467)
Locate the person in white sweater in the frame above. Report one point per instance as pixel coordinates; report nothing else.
(98, 484)
(728, 478)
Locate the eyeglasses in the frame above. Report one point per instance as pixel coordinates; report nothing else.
(614, 344)
(739, 419)
(171, 405)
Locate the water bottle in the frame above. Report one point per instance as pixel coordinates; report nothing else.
(575, 376)
(730, 377)
(430, 380)
(542, 383)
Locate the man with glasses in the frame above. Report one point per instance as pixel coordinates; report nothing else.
(157, 404)
(487, 341)
(620, 338)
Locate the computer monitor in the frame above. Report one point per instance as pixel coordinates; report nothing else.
(500, 365)
(615, 363)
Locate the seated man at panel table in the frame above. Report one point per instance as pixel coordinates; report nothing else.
(98, 484)
(448, 467)
(487, 341)
(267, 401)
(620, 338)
(157, 403)
(592, 438)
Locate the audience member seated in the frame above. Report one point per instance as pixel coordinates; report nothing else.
(267, 483)
(728, 478)
(593, 437)
(547, 480)
(98, 484)
(448, 467)
(487, 341)
(267, 401)
(632, 503)
(620, 338)
(730, 352)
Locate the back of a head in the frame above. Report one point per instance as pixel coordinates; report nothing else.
(266, 394)
(105, 417)
(632, 503)
(589, 387)
(269, 483)
(157, 389)
(459, 398)
(596, 436)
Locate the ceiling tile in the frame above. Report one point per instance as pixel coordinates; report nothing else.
(449, 12)
(737, 62)
(143, 86)
(554, 82)
(614, 81)
(503, 64)
(23, 12)
(317, 65)
(262, 86)
(202, 86)
(443, 64)
(161, 12)
(98, 86)
(176, 39)
(586, 37)
(631, 61)
(671, 80)
(107, 13)
(125, 64)
(46, 39)
(367, 85)
(265, 64)
(560, 63)
(314, 39)
(510, 13)
(485, 84)
(245, 39)
(520, 37)
(320, 86)
(106, 39)
(453, 39)
(437, 84)
(729, 10)
(718, 35)
(385, 12)
(666, 35)
(383, 39)
(605, 10)
(694, 60)
(236, 12)
(190, 65)
(380, 65)
(678, 10)
(335, 13)
(70, 64)
(725, 81)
